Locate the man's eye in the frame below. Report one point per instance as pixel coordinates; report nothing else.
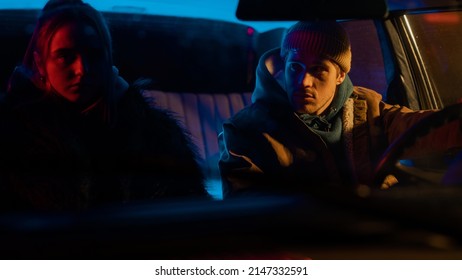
(317, 70)
(296, 67)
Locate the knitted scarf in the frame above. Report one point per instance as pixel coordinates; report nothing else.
(329, 126)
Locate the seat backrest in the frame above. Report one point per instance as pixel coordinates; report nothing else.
(202, 114)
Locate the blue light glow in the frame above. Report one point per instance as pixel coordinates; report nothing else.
(209, 9)
(214, 188)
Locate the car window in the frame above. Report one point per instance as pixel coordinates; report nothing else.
(437, 38)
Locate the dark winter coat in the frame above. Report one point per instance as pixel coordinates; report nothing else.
(54, 157)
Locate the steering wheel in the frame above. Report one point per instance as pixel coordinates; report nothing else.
(393, 153)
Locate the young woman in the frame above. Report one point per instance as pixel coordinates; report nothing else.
(76, 135)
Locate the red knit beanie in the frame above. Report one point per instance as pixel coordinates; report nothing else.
(323, 38)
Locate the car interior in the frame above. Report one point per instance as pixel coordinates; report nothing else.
(203, 70)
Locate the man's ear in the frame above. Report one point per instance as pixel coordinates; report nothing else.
(341, 77)
(39, 63)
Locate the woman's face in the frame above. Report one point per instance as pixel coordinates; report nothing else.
(76, 63)
(311, 82)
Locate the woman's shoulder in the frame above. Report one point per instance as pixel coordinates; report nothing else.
(134, 107)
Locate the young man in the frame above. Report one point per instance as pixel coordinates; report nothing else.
(308, 126)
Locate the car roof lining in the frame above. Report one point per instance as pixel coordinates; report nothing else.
(294, 10)
(287, 10)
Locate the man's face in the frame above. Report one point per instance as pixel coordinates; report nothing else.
(311, 82)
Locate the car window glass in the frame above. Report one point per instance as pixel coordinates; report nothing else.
(438, 37)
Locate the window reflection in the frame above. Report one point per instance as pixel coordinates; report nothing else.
(438, 37)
